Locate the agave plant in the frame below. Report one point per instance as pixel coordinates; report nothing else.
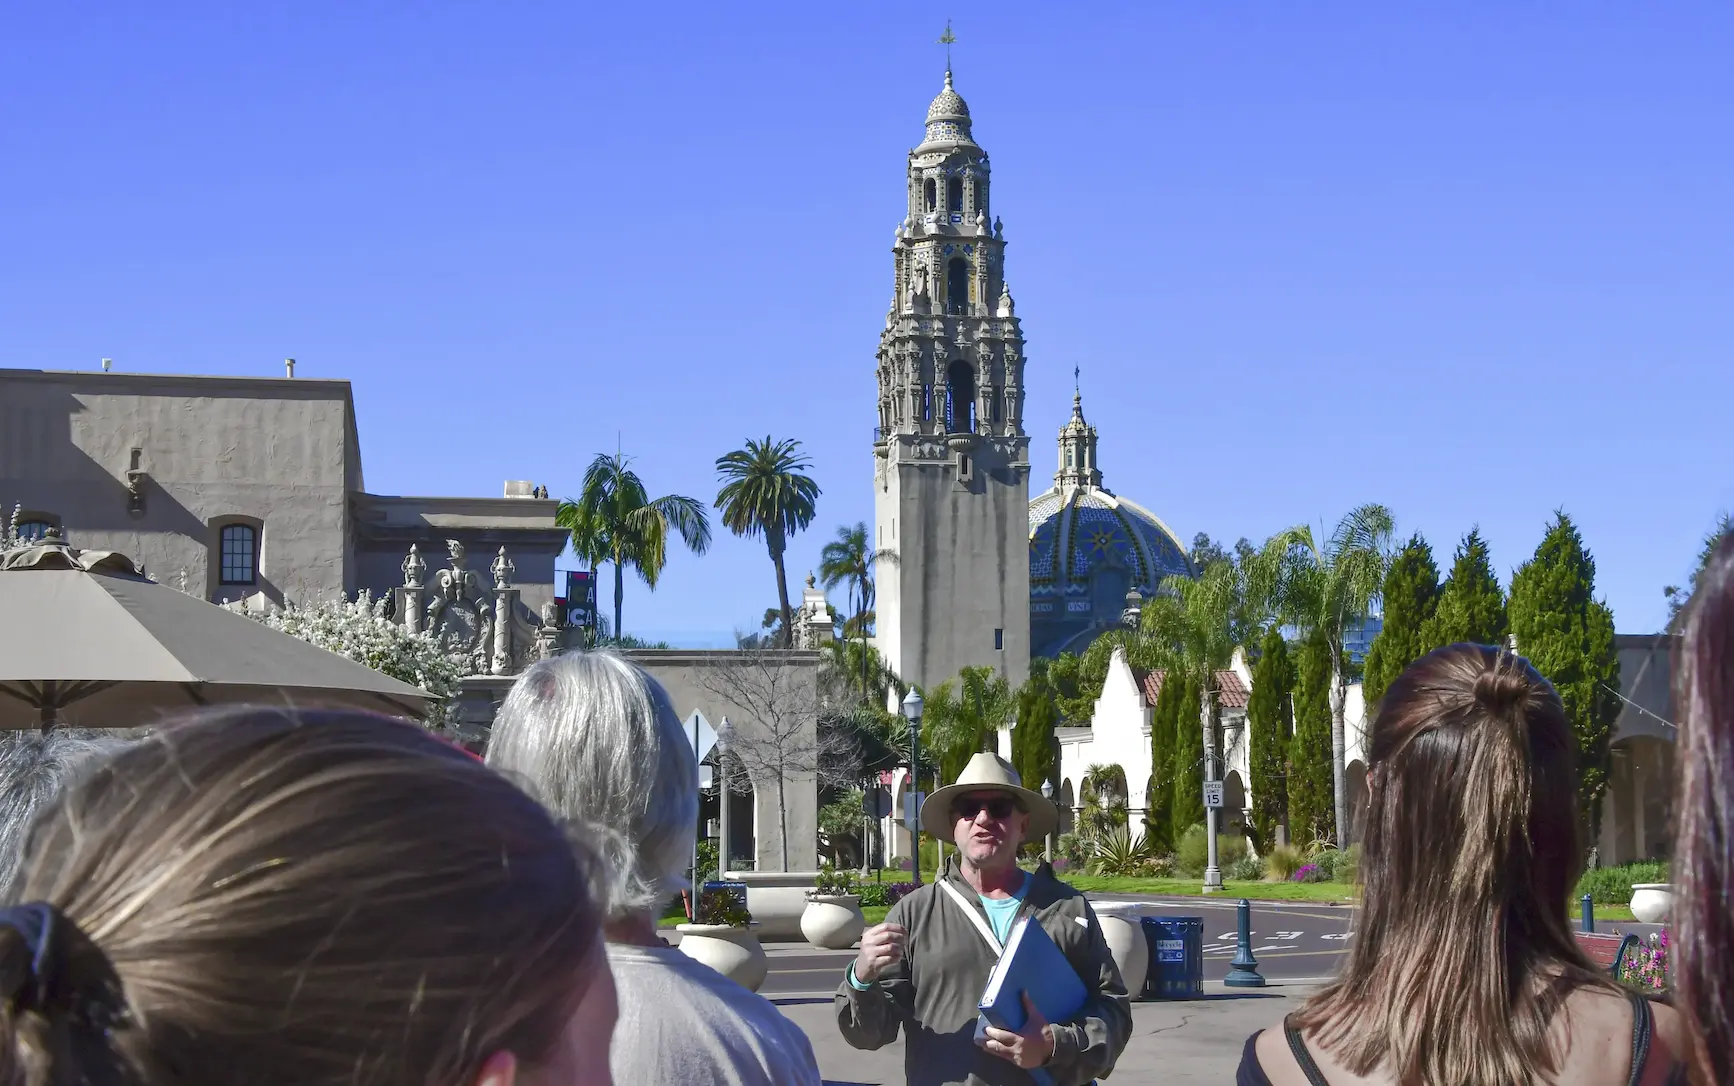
(1117, 852)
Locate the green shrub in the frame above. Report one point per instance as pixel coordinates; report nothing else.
(1117, 852)
(1283, 861)
(1248, 868)
(834, 880)
(1613, 885)
(875, 895)
(1326, 860)
(1348, 867)
(1192, 854)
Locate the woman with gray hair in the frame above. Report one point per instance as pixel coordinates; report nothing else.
(599, 743)
(35, 767)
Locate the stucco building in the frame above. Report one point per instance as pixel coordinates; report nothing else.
(241, 487)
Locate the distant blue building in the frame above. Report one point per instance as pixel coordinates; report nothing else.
(1358, 637)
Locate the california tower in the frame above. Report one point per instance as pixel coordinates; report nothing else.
(951, 459)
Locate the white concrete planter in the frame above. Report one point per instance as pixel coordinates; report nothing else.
(733, 952)
(1126, 941)
(777, 900)
(833, 921)
(1652, 901)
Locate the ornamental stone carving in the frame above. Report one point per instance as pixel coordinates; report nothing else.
(502, 569)
(414, 568)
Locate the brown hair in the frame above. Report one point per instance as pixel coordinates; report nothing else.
(1703, 966)
(294, 898)
(1462, 954)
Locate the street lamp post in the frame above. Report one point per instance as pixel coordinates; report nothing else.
(1212, 873)
(1048, 794)
(912, 705)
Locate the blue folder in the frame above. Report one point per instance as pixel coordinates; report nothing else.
(1030, 963)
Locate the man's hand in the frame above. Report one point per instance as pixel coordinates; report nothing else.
(1032, 1047)
(881, 947)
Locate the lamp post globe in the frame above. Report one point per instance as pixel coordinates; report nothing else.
(1048, 849)
(912, 705)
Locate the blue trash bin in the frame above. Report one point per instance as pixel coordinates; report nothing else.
(1176, 957)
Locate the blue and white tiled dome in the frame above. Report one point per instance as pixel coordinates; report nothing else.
(1088, 548)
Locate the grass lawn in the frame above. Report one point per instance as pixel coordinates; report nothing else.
(1338, 892)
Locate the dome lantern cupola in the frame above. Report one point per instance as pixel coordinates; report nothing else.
(948, 116)
(1077, 449)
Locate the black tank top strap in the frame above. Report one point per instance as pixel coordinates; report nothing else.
(1302, 1056)
(1643, 1027)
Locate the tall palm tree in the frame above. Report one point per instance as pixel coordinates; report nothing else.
(963, 716)
(1327, 590)
(767, 492)
(848, 560)
(614, 519)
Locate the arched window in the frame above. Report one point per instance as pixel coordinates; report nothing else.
(932, 198)
(954, 194)
(996, 406)
(957, 285)
(960, 398)
(239, 555)
(926, 403)
(32, 529)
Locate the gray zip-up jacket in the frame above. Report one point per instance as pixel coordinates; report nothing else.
(932, 993)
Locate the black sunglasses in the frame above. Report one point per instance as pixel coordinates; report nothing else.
(997, 808)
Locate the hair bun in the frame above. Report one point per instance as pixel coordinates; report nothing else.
(1503, 686)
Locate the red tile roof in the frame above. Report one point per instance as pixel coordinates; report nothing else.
(1234, 693)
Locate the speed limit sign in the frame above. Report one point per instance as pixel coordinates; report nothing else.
(1213, 793)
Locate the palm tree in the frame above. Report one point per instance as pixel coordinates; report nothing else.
(614, 520)
(766, 491)
(963, 716)
(848, 560)
(1326, 590)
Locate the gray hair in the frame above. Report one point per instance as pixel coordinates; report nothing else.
(599, 743)
(34, 769)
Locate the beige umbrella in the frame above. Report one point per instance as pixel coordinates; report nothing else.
(86, 640)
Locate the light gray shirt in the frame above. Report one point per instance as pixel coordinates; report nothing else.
(684, 1024)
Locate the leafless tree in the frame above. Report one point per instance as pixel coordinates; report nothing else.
(772, 702)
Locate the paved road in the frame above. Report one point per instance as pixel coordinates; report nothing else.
(1292, 940)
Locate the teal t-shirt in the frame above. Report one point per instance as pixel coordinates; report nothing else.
(1001, 911)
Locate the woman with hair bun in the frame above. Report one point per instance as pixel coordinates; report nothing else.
(1464, 970)
(301, 899)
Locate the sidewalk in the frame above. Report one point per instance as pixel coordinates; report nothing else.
(1196, 1040)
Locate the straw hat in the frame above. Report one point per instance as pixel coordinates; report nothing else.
(987, 772)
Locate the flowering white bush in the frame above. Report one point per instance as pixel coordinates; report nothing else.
(360, 630)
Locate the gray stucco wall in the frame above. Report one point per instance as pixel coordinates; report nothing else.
(278, 451)
(678, 672)
(962, 567)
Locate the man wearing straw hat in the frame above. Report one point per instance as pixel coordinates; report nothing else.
(924, 969)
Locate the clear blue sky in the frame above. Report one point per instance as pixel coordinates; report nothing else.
(1475, 261)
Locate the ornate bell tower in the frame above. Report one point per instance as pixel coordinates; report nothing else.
(951, 459)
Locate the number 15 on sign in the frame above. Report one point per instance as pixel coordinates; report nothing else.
(1213, 793)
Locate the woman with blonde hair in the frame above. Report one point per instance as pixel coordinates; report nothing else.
(301, 899)
(1463, 970)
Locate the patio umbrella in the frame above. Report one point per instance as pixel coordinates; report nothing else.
(86, 640)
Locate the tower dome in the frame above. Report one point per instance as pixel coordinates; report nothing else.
(948, 116)
(1089, 547)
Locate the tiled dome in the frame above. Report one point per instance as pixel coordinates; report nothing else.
(949, 106)
(1071, 534)
(948, 116)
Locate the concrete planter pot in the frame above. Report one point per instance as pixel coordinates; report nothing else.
(833, 921)
(733, 952)
(777, 900)
(1652, 902)
(1125, 937)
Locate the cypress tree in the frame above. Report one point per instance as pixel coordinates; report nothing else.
(1311, 814)
(1471, 606)
(1268, 727)
(1187, 802)
(1164, 723)
(1569, 636)
(1410, 596)
(1033, 735)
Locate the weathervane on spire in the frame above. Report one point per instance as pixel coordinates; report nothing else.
(1077, 387)
(946, 39)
